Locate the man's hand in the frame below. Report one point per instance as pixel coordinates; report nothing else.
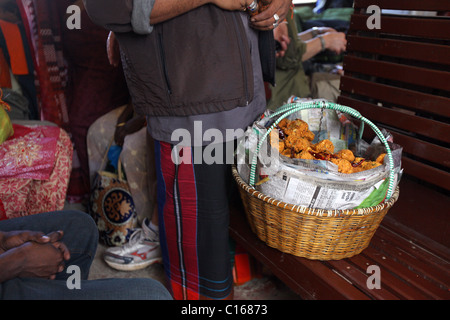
(12, 239)
(31, 254)
(335, 41)
(265, 20)
(42, 260)
(133, 125)
(282, 36)
(112, 49)
(232, 5)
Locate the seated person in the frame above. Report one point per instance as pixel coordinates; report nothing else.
(36, 252)
(290, 77)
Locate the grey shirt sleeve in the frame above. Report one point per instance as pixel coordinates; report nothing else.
(140, 18)
(121, 15)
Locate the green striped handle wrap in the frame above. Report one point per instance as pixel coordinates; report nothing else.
(288, 109)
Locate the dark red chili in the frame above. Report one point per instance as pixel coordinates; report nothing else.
(358, 163)
(320, 155)
(281, 133)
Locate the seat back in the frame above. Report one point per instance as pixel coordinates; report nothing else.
(398, 76)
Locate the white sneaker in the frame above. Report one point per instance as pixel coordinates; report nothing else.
(142, 250)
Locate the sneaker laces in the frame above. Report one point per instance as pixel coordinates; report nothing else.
(135, 237)
(140, 234)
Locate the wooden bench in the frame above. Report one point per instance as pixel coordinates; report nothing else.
(398, 77)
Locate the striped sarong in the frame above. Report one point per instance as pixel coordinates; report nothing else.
(193, 219)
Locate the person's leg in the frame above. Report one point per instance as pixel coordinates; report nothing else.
(193, 219)
(80, 234)
(101, 289)
(81, 238)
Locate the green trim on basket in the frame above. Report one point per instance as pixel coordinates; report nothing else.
(288, 109)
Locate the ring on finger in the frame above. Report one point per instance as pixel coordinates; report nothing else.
(277, 18)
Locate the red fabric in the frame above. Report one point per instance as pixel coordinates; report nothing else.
(29, 153)
(183, 278)
(2, 211)
(5, 76)
(43, 27)
(25, 196)
(13, 40)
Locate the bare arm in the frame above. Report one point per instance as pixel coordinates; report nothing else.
(166, 9)
(139, 15)
(334, 41)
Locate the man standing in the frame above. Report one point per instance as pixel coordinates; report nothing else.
(193, 66)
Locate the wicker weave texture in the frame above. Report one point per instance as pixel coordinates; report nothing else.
(310, 233)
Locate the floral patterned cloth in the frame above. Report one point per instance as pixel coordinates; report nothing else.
(35, 166)
(137, 157)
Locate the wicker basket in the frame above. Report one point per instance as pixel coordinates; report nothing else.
(313, 233)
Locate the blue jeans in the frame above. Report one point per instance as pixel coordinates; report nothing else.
(81, 238)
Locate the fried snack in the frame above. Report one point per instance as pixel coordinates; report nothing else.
(367, 165)
(324, 146)
(345, 154)
(283, 123)
(344, 166)
(357, 164)
(305, 154)
(297, 127)
(380, 158)
(294, 140)
(309, 135)
(287, 152)
(298, 144)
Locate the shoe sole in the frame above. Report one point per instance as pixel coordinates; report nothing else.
(133, 266)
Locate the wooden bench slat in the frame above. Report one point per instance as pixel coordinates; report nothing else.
(342, 279)
(359, 279)
(397, 119)
(413, 256)
(423, 149)
(429, 5)
(410, 26)
(427, 52)
(404, 273)
(390, 282)
(420, 216)
(413, 146)
(426, 173)
(310, 279)
(393, 71)
(428, 103)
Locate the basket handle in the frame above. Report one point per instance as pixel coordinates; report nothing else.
(290, 106)
(288, 109)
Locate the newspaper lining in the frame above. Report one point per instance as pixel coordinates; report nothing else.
(315, 183)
